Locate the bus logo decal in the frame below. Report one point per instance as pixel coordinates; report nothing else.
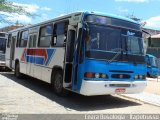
(23, 58)
(38, 56)
(50, 53)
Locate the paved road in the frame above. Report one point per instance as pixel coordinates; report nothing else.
(29, 95)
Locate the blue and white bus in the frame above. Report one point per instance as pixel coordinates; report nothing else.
(85, 52)
(152, 67)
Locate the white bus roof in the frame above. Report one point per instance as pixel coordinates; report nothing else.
(77, 13)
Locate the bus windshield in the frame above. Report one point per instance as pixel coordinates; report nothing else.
(152, 62)
(111, 39)
(2, 45)
(132, 44)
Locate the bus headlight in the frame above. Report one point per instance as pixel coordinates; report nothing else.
(103, 75)
(97, 75)
(136, 77)
(140, 76)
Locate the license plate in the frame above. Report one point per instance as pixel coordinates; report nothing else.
(120, 90)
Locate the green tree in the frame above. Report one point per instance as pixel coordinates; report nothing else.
(8, 8)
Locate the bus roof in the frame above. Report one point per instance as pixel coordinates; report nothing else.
(112, 16)
(80, 12)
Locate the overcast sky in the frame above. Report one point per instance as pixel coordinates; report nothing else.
(147, 10)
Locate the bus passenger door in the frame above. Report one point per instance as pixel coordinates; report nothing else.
(77, 56)
(31, 59)
(68, 63)
(12, 50)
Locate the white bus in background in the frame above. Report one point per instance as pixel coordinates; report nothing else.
(3, 39)
(85, 52)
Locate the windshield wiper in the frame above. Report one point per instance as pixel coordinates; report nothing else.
(120, 51)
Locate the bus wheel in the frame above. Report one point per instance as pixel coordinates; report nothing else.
(17, 71)
(58, 84)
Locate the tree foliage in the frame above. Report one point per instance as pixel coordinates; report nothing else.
(7, 8)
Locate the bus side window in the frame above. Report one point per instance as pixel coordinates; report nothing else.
(9, 41)
(46, 34)
(24, 39)
(32, 41)
(60, 34)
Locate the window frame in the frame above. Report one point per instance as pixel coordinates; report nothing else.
(66, 23)
(20, 39)
(32, 35)
(39, 38)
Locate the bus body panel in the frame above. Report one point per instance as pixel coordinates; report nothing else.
(38, 62)
(114, 68)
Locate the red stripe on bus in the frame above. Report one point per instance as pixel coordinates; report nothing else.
(37, 52)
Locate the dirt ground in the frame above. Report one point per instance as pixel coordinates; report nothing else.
(153, 86)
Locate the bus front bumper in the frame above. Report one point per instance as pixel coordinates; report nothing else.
(90, 88)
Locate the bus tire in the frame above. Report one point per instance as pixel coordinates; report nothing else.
(17, 71)
(57, 84)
